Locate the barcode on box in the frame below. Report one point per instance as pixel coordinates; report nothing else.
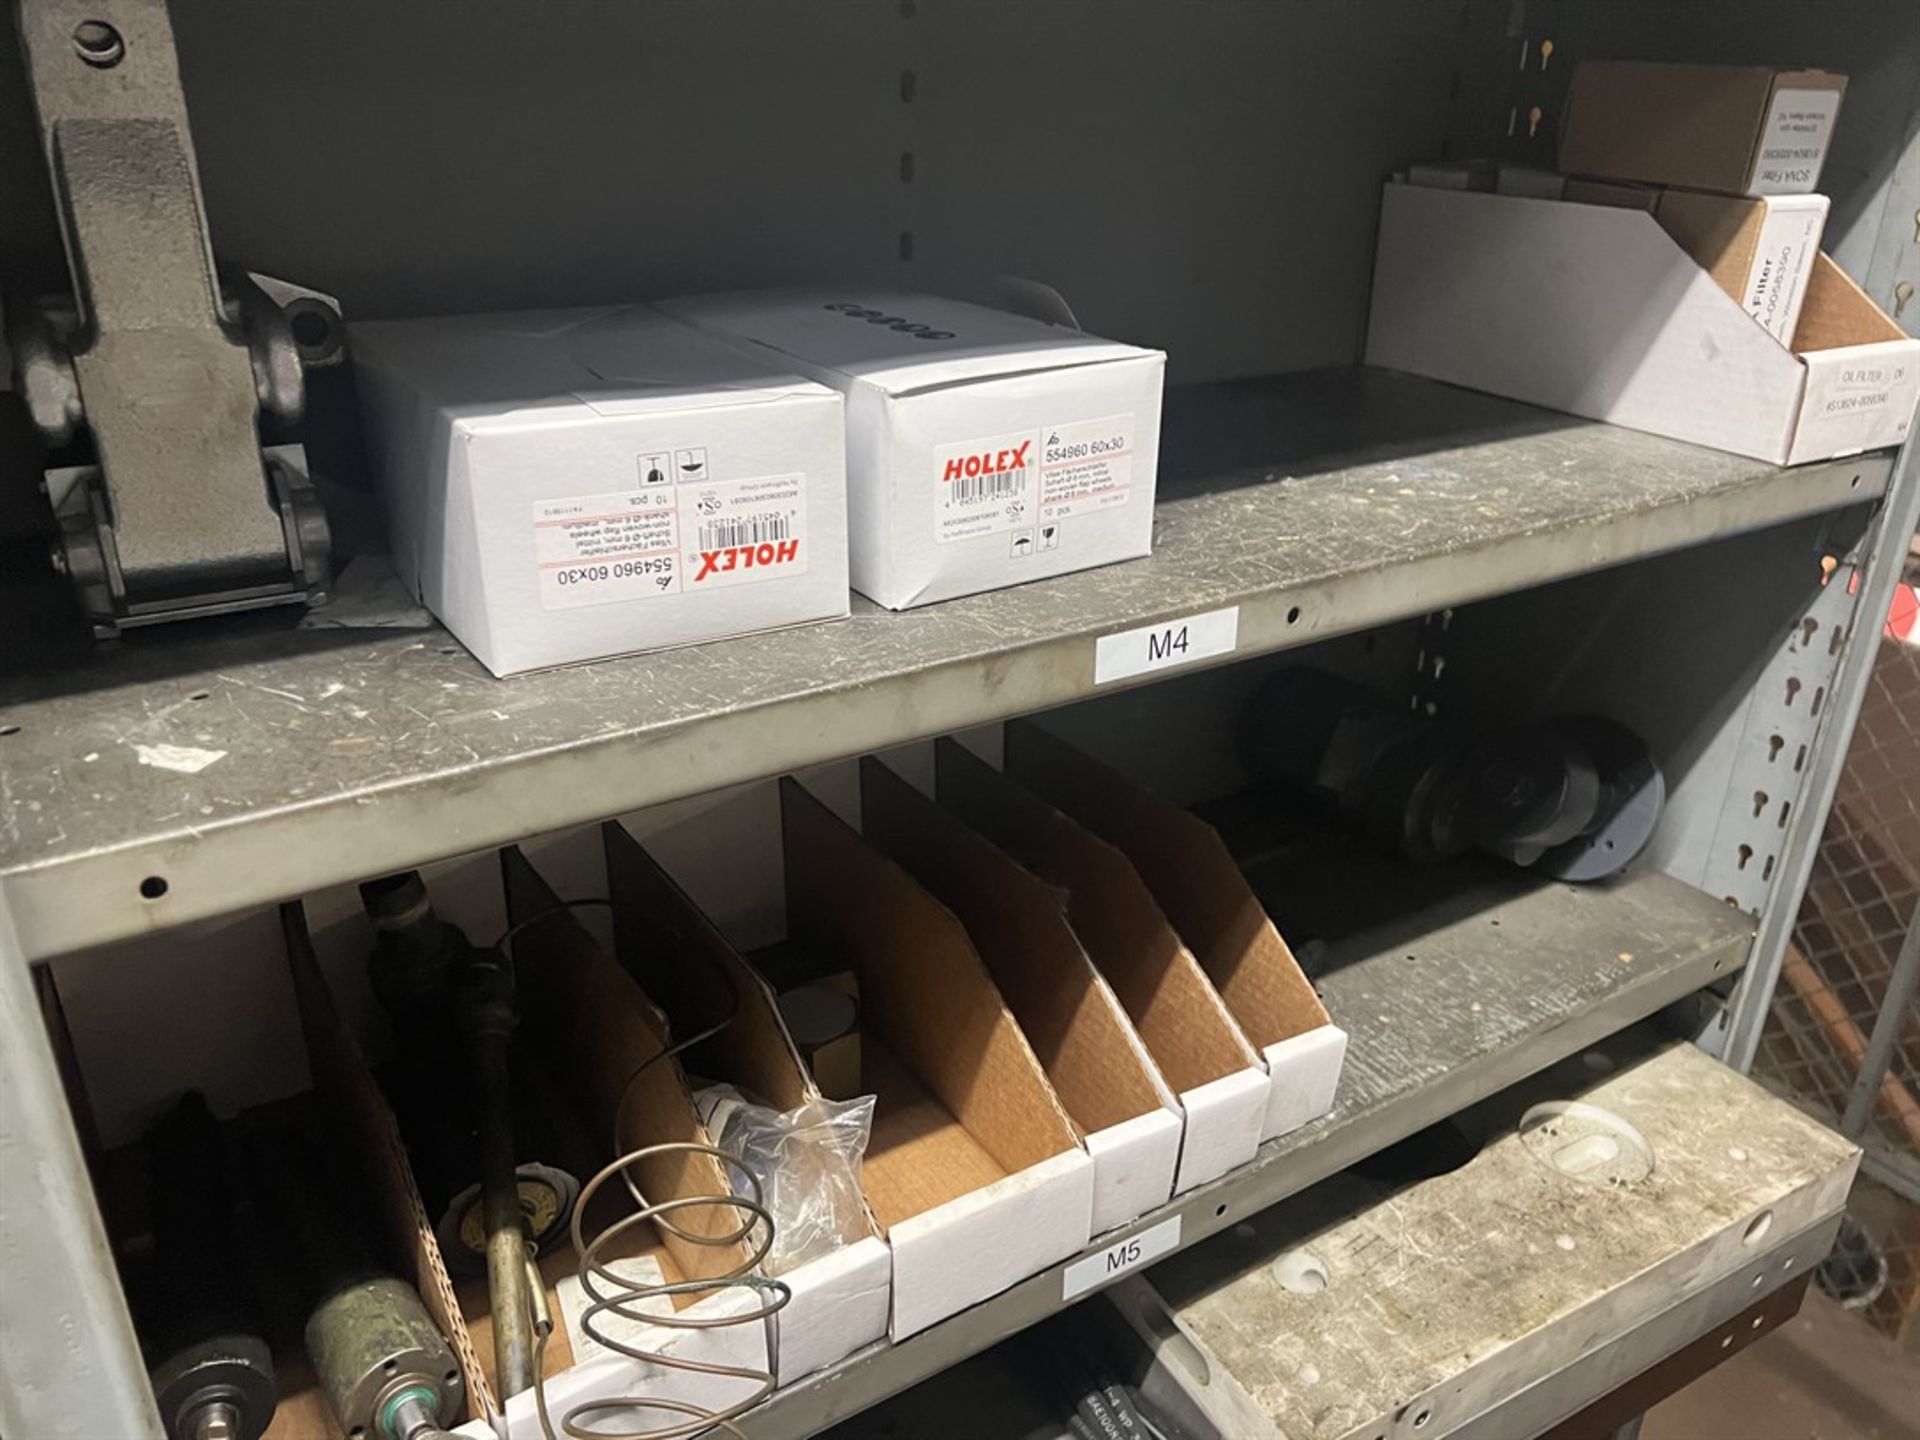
(745, 530)
(995, 485)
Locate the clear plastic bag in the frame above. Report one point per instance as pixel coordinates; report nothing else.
(807, 1162)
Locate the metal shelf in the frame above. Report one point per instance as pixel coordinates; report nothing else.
(1318, 504)
(1461, 983)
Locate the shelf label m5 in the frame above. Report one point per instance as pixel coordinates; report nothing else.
(1163, 646)
(1120, 1257)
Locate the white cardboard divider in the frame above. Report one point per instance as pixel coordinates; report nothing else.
(1194, 879)
(923, 992)
(1203, 1056)
(1107, 1081)
(1596, 311)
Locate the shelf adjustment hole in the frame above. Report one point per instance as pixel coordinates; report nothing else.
(1293, 615)
(1757, 1228)
(9, 729)
(1420, 1420)
(153, 887)
(99, 44)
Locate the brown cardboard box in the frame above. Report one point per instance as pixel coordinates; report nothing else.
(1097, 1062)
(1760, 249)
(1740, 129)
(1190, 872)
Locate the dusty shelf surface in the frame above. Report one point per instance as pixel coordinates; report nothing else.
(180, 775)
(1461, 984)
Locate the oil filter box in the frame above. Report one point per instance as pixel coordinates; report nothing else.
(1738, 129)
(567, 485)
(983, 448)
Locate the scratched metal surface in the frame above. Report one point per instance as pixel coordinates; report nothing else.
(261, 763)
(1507, 977)
(1445, 1299)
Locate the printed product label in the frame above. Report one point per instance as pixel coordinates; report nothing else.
(1045, 476)
(986, 486)
(1794, 142)
(1788, 239)
(669, 538)
(1086, 467)
(739, 531)
(595, 549)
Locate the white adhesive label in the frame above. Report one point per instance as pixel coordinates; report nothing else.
(1086, 467)
(1032, 481)
(1789, 237)
(1120, 1257)
(595, 549)
(1794, 144)
(667, 537)
(739, 531)
(986, 486)
(1162, 647)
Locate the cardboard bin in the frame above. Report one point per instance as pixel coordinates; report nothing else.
(1114, 1093)
(1599, 312)
(1186, 865)
(680, 960)
(1220, 1084)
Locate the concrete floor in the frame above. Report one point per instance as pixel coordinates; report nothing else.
(1824, 1375)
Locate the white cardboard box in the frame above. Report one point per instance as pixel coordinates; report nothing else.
(983, 449)
(1598, 312)
(567, 485)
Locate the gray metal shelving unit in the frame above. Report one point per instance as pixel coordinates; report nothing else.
(1202, 178)
(1416, 497)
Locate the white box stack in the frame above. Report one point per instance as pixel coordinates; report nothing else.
(984, 449)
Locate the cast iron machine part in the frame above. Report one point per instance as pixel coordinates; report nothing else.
(382, 1363)
(182, 512)
(1574, 798)
(212, 1371)
(421, 966)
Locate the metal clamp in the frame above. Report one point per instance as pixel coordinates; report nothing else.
(181, 514)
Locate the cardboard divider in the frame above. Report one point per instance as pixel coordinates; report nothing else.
(1838, 313)
(1097, 1062)
(1219, 1080)
(974, 1168)
(586, 1021)
(676, 955)
(1188, 868)
(354, 1107)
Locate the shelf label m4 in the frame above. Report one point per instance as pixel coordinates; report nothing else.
(1164, 646)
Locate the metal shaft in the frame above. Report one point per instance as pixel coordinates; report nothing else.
(217, 1420)
(412, 1418)
(500, 1211)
